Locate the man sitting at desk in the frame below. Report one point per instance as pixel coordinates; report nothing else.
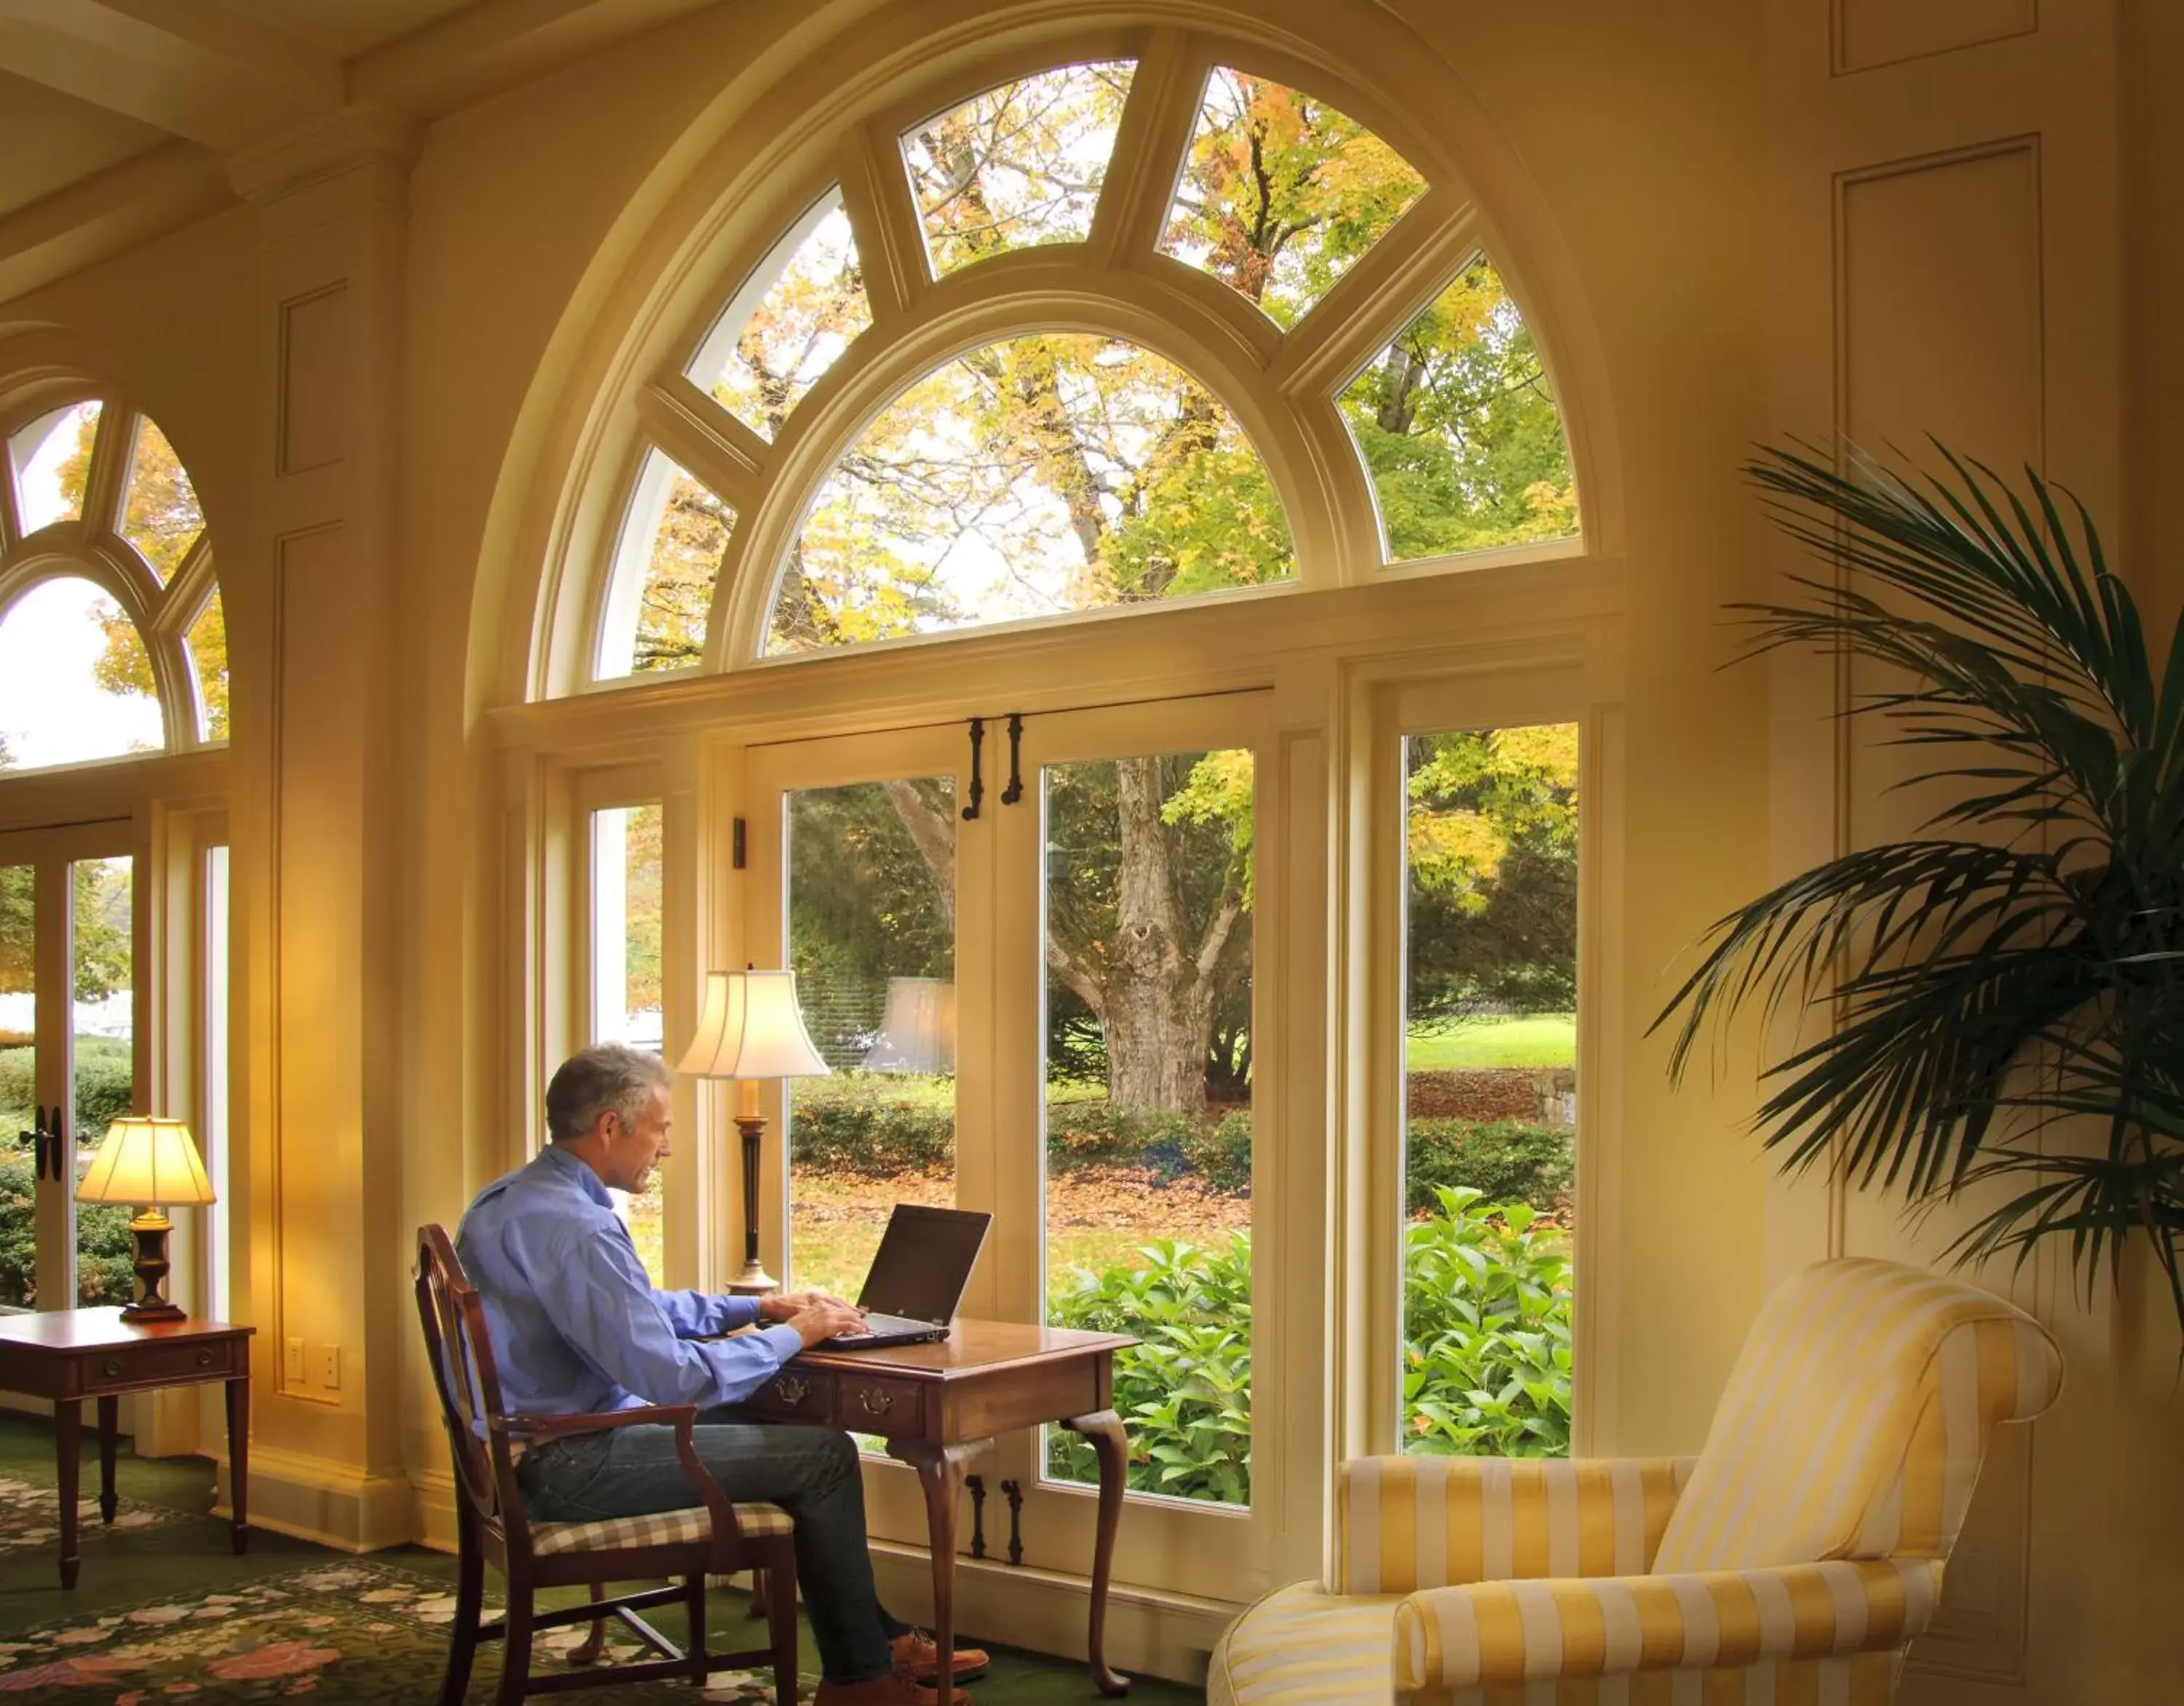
(577, 1327)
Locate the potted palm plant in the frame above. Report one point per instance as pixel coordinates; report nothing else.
(2001, 997)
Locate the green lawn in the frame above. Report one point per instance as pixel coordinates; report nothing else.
(1542, 1039)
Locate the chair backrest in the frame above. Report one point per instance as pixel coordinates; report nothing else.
(1856, 1418)
(461, 1352)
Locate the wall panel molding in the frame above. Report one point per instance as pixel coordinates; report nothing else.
(1866, 35)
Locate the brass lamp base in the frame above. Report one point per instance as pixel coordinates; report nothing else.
(754, 1281)
(149, 1232)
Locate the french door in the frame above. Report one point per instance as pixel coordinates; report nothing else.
(72, 1057)
(1032, 980)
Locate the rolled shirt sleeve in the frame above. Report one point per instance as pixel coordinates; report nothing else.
(596, 1292)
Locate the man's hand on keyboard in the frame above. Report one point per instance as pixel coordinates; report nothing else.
(821, 1318)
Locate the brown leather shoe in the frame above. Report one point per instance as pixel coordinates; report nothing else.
(893, 1689)
(919, 1655)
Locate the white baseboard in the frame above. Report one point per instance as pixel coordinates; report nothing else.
(336, 1504)
(1151, 1632)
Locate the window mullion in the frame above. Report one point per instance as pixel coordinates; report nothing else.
(883, 219)
(1387, 287)
(709, 443)
(1149, 148)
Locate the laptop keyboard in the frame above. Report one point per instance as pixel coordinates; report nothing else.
(876, 1325)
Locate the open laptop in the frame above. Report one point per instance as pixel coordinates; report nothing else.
(917, 1276)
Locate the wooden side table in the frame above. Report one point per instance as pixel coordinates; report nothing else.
(69, 1355)
(938, 1405)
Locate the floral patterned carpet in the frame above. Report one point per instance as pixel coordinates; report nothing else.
(340, 1633)
(164, 1612)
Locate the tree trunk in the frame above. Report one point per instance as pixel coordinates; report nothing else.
(1158, 1015)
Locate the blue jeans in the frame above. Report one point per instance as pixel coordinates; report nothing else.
(809, 1472)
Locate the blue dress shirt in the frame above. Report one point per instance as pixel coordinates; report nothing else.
(576, 1324)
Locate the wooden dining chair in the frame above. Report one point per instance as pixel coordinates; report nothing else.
(709, 1537)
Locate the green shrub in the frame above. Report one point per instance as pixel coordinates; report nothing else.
(105, 1078)
(105, 1268)
(1486, 1325)
(1505, 1161)
(1487, 1366)
(1185, 1391)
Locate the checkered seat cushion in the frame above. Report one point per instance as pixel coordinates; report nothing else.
(656, 1528)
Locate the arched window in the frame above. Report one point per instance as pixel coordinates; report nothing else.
(112, 637)
(1083, 339)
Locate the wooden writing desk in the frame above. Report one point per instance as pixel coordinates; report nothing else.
(938, 1405)
(69, 1355)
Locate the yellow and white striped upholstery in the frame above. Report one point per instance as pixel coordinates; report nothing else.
(1410, 1522)
(1302, 1643)
(1855, 1419)
(1790, 1565)
(655, 1528)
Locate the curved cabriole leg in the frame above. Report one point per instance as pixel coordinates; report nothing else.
(1111, 1446)
(940, 1469)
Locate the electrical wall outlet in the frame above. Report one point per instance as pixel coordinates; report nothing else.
(292, 1361)
(329, 1367)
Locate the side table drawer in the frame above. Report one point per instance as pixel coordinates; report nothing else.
(152, 1364)
(873, 1403)
(796, 1395)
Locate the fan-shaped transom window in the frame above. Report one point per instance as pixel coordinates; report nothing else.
(1281, 194)
(1459, 430)
(1047, 475)
(1019, 166)
(1051, 472)
(112, 637)
(791, 321)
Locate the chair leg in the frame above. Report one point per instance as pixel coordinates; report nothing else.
(781, 1625)
(594, 1643)
(758, 1593)
(693, 1606)
(470, 1605)
(516, 1673)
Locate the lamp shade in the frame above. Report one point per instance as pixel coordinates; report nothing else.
(145, 1160)
(751, 1027)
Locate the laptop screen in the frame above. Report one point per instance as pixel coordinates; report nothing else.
(924, 1262)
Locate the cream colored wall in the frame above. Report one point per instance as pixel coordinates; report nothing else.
(1670, 174)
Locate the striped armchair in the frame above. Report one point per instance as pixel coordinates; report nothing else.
(1792, 1561)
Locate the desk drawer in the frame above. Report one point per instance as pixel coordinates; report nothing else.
(156, 1365)
(873, 1403)
(796, 1395)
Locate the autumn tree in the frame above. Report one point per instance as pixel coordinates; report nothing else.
(161, 517)
(1066, 471)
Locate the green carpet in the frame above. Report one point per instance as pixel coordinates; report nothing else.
(162, 1611)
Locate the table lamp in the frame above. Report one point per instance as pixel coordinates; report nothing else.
(147, 1162)
(751, 1030)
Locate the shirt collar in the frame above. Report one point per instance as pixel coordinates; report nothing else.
(555, 1157)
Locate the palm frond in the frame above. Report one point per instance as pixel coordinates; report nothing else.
(2018, 970)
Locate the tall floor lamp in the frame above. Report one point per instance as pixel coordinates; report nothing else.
(751, 1030)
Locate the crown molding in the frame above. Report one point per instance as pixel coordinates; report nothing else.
(357, 136)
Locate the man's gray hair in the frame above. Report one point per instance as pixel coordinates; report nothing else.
(608, 1077)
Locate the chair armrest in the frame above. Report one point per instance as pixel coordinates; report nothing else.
(543, 1428)
(1406, 1523)
(682, 1418)
(1504, 1634)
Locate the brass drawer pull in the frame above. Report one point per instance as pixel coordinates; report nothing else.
(876, 1403)
(111, 1367)
(792, 1389)
(204, 1359)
